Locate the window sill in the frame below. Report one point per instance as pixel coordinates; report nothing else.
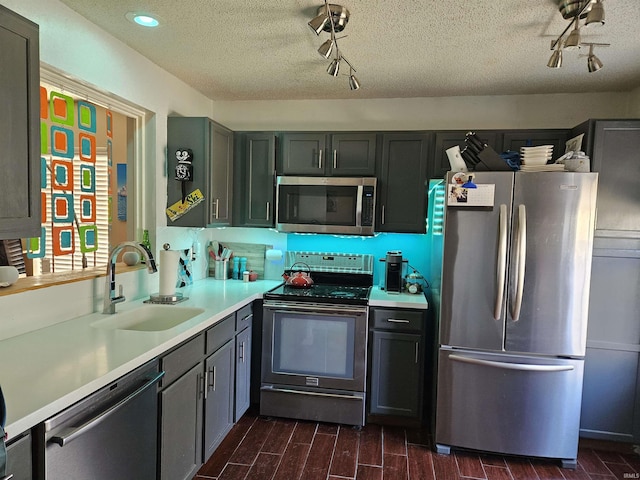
(50, 279)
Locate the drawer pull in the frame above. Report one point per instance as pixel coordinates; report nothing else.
(397, 320)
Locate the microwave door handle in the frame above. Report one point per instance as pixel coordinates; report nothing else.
(360, 193)
(335, 159)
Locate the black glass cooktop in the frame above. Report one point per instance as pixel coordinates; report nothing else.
(328, 293)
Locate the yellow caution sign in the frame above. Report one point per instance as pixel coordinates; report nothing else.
(179, 208)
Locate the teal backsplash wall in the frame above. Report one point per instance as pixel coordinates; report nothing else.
(414, 247)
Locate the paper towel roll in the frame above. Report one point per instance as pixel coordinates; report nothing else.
(273, 254)
(168, 271)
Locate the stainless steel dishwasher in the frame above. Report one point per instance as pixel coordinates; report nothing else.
(110, 434)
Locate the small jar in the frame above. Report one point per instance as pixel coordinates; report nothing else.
(245, 276)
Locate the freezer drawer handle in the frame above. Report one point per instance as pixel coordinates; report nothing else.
(72, 434)
(521, 256)
(501, 267)
(512, 366)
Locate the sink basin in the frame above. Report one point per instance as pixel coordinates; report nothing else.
(148, 318)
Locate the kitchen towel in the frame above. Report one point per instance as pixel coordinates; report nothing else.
(168, 271)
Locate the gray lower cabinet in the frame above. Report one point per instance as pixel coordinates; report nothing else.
(19, 463)
(402, 183)
(218, 404)
(610, 407)
(398, 352)
(243, 372)
(19, 126)
(181, 426)
(196, 400)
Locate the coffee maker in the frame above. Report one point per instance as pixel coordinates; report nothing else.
(393, 272)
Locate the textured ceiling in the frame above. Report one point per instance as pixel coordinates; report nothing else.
(251, 50)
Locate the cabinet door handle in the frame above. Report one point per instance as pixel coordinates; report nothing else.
(320, 159)
(417, 352)
(214, 207)
(268, 210)
(203, 384)
(241, 357)
(397, 320)
(335, 159)
(212, 381)
(212, 378)
(382, 215)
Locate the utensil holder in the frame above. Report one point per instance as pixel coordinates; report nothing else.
(222, 269)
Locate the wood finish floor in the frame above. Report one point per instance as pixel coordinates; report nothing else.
(259, 448)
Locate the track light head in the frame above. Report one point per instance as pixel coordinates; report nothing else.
(596, 14)
(556, 59)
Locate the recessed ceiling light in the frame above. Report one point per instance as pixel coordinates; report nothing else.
(143, 19)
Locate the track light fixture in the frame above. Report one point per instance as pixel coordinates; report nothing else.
(333, 18)
(592, 12)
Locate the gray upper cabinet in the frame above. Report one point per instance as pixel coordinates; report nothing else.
(343, 154)
(254, 191)
(447, 139)
(613, 147)
(402, 198)
(352, 154)
(212, 147)
(514, 140)
(19, 126)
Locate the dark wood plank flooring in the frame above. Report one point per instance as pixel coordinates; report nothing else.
(259, 448)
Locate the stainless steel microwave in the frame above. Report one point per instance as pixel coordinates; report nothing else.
(342, 205)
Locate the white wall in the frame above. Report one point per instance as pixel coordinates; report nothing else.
(448, 113)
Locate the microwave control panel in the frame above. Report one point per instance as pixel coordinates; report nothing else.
(367, 206)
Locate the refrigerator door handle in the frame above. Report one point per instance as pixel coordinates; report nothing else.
(501, 267)
(511, 366)
(521, 255)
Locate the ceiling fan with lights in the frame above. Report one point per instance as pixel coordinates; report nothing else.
(590, 12)
(333, 18)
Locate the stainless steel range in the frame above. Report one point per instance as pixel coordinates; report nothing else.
(314, 346)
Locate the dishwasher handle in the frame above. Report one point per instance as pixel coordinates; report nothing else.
(71, 434)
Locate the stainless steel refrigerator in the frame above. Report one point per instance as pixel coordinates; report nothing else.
(513, 315)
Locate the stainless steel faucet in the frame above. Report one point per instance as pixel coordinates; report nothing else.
(110, 282)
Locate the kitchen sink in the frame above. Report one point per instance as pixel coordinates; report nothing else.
(148, 318)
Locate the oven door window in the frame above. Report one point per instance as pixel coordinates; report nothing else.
(314, 345)
(317, 204)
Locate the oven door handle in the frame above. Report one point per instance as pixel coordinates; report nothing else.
(315, 307)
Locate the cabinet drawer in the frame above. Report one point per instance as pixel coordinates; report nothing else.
(406, 320)
(244, 317)
(220, 333)
(182, 359)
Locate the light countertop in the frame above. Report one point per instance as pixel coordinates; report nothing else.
(47, 370)
(380, 298)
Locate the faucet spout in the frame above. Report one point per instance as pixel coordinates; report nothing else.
(110, 300)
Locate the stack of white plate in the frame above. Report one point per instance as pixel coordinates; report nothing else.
(551, 167)
(536, 155)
